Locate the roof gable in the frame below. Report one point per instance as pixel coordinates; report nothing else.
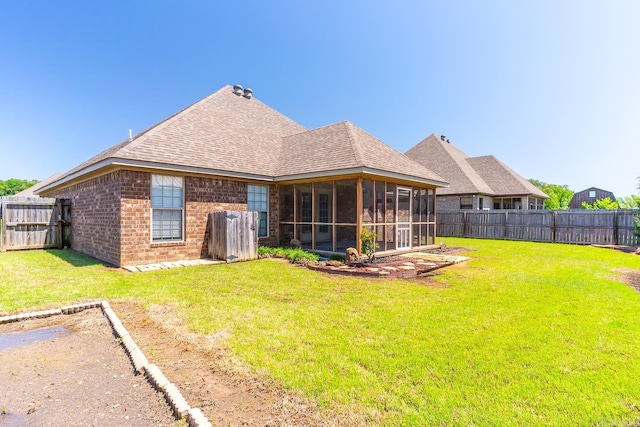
(448, 161)
(344, 146)
(223, 132)
(470, 175)
(502, 179)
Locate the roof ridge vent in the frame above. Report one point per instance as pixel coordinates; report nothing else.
(248, 93)
(237, 89)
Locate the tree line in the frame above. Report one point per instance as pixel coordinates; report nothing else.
(14, 185)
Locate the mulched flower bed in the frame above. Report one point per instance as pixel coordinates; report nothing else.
(397, 266)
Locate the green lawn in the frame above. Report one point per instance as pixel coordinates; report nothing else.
(524, 334)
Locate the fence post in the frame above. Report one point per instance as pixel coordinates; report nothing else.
(506, 221)
(553, 227)
(616, 239)
(464, 224)
(3, 229)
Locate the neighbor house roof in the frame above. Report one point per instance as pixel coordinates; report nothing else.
(30, 192)
(470, 175)
(229, 135)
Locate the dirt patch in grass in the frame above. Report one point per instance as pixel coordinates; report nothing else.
(631, 278)
(201, 367)
(80, 375)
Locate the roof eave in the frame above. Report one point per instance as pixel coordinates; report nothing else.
(152, 165)
(361, 170)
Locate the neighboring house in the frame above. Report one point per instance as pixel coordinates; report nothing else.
(31, 191)
(147, 199)
(475, 182)
(589, 195)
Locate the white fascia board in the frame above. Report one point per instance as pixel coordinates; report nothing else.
(156, 166)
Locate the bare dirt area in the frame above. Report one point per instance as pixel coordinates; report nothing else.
(77, 374)
(631, 278)
(228, 393)
(74, 374)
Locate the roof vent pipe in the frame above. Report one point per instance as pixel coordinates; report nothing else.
(248, 93)
(237, 89)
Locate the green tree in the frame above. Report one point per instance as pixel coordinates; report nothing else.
(559, 195)
(629, 202)
(601, 204)
(15, 185)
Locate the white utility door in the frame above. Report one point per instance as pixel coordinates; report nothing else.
(403, 225)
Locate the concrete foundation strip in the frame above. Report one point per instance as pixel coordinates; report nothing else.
(181, 409)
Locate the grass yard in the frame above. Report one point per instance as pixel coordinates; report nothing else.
(523, 334)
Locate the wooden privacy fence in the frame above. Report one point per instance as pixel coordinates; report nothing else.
(34, 223)
(233, 235)
(605, 227)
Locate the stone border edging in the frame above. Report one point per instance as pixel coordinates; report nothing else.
(181, 409)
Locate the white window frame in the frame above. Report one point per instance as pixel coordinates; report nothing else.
(252, 190)
(166, 202)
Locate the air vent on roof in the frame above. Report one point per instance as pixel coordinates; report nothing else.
(248, 93)
(237, 89)
(443, 138)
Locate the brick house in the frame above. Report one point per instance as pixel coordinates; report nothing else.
(483, 183)
(147, 199)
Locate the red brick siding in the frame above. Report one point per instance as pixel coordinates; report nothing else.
(111, 217)
(202, 195)
(95, 216)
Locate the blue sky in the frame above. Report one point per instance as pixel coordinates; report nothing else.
(551, 88)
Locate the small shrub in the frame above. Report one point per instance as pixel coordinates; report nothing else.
(368, 242)
(300, 256)
(294, 255)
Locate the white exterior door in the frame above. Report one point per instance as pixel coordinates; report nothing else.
(403, 225)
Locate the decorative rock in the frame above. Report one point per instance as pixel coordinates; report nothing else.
(295, 243)
(352, 255)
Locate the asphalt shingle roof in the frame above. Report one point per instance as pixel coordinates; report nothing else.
(343, 146)
(470, 175)
(227, 133)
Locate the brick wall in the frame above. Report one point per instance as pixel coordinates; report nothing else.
(111, 217)
(95, 216)
(447, 202)
(202, 195)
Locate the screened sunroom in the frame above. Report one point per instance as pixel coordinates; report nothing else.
(327, 216)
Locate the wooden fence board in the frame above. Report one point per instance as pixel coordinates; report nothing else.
(570, 226)
(233, 235)
(32, 222)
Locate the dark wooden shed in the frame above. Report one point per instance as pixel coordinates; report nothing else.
(589, 195)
